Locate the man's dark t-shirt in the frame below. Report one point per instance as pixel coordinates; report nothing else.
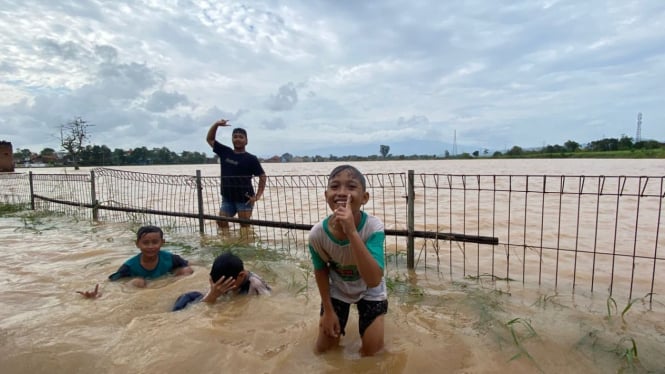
(237, 170)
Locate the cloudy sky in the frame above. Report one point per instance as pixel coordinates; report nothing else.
(322, 77)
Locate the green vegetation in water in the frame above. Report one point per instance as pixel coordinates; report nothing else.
(521, 330)
(33, 220)
(11, 209)
(609, 343)
(404, 289)
(612, 339)
(491, 277)
(545, 300)
(300, 286)
(180, 248)
(624, 349)
(612, 307)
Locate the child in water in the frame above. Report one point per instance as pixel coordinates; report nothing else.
(228, 274)
(348, 257)
(152, 262)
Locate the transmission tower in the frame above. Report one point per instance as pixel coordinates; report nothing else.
(638, 135)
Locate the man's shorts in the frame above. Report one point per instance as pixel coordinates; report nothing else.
(367, 312)
(230, 208)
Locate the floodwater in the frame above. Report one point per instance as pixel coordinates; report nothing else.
(433, 325)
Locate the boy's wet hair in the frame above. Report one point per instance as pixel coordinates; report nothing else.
(147, 230)
(228, 265)
(354, 172)
(239, 130)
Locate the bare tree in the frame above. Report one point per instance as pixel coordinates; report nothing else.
(73, 136)
(384, 149)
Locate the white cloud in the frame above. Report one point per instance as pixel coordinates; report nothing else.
(320, 77)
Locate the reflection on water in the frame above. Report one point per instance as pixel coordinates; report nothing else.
(432, 325)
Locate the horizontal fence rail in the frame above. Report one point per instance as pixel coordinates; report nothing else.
(599, 233)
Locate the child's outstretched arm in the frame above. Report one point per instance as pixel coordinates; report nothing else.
(180, 266)
(91, 294)
(185, 270)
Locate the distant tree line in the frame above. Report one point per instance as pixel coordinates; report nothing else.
(75, 133)
(624, 144)
(96, 155)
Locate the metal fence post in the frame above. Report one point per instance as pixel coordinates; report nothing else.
(93, 196)
(199, 192)
(410, 248)
(32, 191)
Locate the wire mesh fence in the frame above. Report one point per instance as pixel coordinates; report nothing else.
(597, 233)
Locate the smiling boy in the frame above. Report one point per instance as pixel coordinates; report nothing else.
(347, 250)
(152, 262)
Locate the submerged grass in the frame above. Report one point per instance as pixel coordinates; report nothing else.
(519, 337)
(404, 289)
(11, 209)
(610, 345)
(614, 339)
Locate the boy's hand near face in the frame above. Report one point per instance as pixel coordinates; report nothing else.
(343, 215)
(219, 288)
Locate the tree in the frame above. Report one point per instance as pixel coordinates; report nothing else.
(625, 143)
(163, 156)
(286, 157)
(384, 149)
(572, 146)
(139, 156)
(515, 151)
(118, 157)
(73, 135)
(22, 155)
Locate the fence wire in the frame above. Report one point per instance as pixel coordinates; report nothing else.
(597, 233)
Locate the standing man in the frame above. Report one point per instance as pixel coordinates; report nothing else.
(237, 169)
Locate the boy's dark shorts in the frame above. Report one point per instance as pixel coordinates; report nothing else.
(367, 312)
(186, 299)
